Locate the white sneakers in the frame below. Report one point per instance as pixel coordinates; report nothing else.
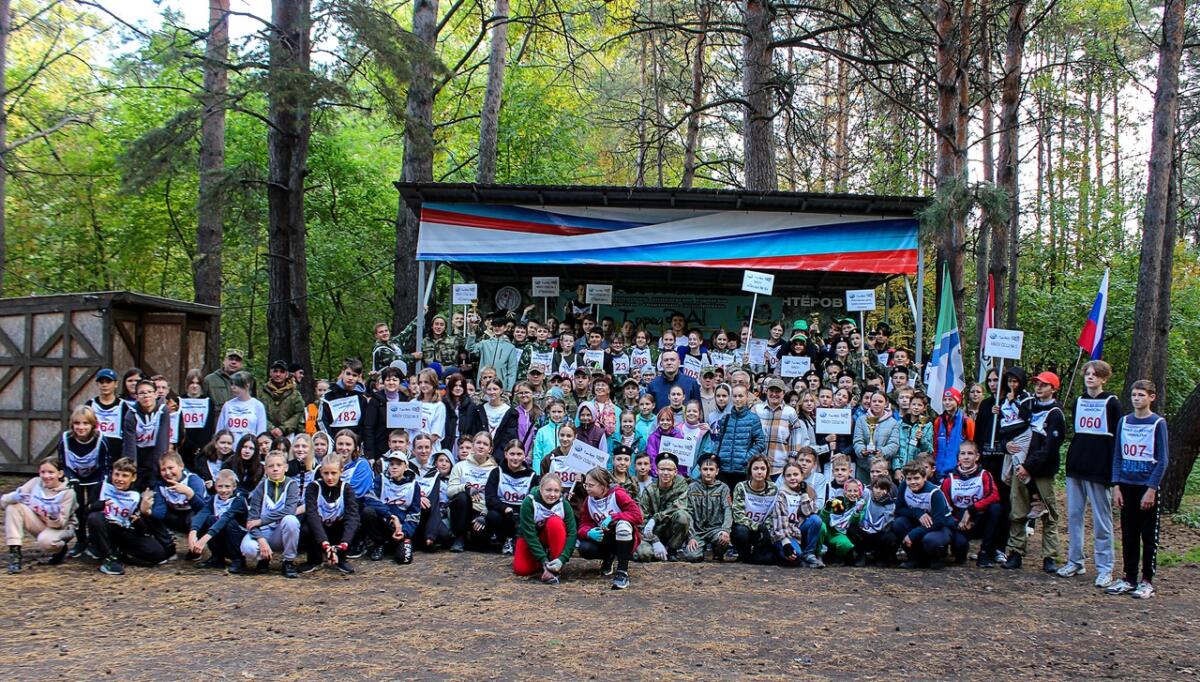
(1119, 587)
(1144, 591)
(1103, 580)
(1069, 570)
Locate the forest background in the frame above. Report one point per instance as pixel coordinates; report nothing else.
(148, 147)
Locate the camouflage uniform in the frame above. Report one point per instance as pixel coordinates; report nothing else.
(669, 511)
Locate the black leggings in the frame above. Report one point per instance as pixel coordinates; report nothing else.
(753, 546)
(1139, 533)
(109, 539)
(85, 495)
(503, 525)
(607, 548)
(883, 544)
(462, 514)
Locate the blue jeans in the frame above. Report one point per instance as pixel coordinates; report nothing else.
(810, 538)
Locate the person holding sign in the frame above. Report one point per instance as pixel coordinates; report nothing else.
(546, 532)
(1139, 462)
(1089, 473)
(345, 406)
(668, 521)
(608, 526)
(507, 487)
(385, 402)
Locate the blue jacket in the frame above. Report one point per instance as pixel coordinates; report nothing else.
(660, 388)
(1138, 466)
(409, 515)
(358, 475)
(203, 522)
(198, 501)
(740, 438)
(938, 509)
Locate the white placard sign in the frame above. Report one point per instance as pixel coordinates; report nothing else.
(594, 358)
(756, 349)
(834, 420)
(545, 287)
(794, 365)
(860, 300)
(599, 294)
(758, 282)
(465, 293)
(1004, 343)
(683, 448)
(583, 458)
(404, 415)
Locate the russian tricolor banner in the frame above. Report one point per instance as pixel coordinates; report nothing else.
(1091, 339)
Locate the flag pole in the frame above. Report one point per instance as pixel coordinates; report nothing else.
(1071, 383)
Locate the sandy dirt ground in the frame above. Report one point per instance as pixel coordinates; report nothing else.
(462, 617)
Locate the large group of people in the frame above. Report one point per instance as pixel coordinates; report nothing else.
(714, 452)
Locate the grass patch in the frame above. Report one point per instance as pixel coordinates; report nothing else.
(1173, 559)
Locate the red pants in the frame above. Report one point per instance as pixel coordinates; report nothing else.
(553, 536)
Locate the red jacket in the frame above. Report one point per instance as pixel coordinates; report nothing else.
(991, 494)
(629, 511)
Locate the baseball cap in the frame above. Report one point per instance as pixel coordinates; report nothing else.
(800, 337)
(708, 369)
(539, 368)
(582, 370)
(279, 364)
(106, 374)
(235, 353)
(628, 381)
(800, 326)
(391, 454)
(1048, 378)
(776, 383)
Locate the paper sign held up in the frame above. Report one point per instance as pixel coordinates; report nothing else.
(463, 294)
(1003, 343)
(834, 420)
(860, 300)
(599, 294)
(545, 287)
(683, 448)
(794, 365)
(583, 458)
(758, 282)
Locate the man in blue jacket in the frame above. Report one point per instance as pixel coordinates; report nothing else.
(661, 386)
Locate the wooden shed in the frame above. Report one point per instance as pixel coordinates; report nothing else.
(52, 346)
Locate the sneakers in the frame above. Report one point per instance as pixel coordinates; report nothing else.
(77, 551)
(985, 561)
(813, 561)
(406, 553)
(508, 547)
(606, 567)
(343, 564)
(1103, 580)
(310, 566)
(549, 578)
(458, 545)
(170, 558)
(376, 553)
(910, 564)
(112, 566)
(1119, 587)
(56, 558)
(289, 569)
(1013, 561)
(1000, 557)
(237, 567)
(211, 562)
(1144, 590)
(1037, 510)
(1070, 570)
(357, 550)
(621, 580)
(1049, 566)
(14, 559)
(731, 554)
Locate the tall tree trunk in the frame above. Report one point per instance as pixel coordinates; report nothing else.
(1183, 437)
(1010, 154)
(417, 165)
(841, 128)
(1157, 237)
(759, 133)
(210, 209)
(692, 137)
(643, 148)
(949, 25)
(289, 102)
(489, 119)
(5, 29)
(989, 165)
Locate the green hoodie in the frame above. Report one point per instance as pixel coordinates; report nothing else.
(528, 527)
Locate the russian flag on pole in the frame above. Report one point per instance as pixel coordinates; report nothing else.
(946, 361)
(1091, 339)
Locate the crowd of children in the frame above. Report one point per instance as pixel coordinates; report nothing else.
(491, 467)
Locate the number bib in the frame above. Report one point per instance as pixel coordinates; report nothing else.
(1091, 416)
(918, 500)
(758, 507)
(620, 364)
(221, 506)
(1137, 441)
(397, 494)
(238, 418)
(44, 503)
(720, 358)
(541, 512)
(174, 500)
(119, 505)
(332, 512)
(569, 478)
(108, 421)
(194, 412)
(793, 505)
(640, 357)
(1010, 413)
(270, 506)
(607, 506)
(146, 428)
(82, 465)
(344, 412)
(691, 366)
(965, 492)
(475, 478)
(513, 489)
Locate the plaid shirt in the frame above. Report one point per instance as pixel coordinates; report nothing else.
(782, 428)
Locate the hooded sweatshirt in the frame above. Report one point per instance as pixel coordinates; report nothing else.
(470, 476)
(877, 515)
